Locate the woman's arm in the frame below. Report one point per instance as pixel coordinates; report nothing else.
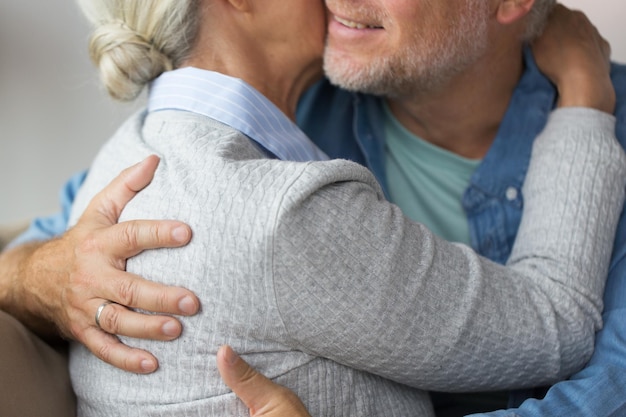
(600, 388)
(358, 283)
(392, 299)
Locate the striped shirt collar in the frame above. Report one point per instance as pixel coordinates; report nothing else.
(235, 103)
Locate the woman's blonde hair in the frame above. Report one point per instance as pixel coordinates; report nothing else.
(134, 41)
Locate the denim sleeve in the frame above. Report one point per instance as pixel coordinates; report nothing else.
(598, 390)
(44, 228)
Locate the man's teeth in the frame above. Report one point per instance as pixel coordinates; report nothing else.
(353, 25)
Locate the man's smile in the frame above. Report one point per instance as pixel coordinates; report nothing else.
(354, 25)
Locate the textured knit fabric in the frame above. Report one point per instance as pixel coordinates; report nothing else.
(353, 129)
(321, 284)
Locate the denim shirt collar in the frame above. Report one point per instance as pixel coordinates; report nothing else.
(506, 162)
(369, 129)
(493, 201)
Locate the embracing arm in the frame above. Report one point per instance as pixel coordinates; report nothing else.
(600, 388)
(11, 266)
(390, 298)
(55, 286)
(358, 283)
(596, 390)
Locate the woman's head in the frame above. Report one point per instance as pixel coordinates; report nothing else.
(134, 41)
(275, 45)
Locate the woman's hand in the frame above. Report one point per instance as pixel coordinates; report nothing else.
(67, 279)
(573, 54)
(263, 397)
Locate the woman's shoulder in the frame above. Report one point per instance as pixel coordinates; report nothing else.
(338, 173)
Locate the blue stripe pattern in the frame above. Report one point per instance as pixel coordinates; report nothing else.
(237, 104)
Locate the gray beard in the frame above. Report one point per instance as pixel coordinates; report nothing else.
(424, 66)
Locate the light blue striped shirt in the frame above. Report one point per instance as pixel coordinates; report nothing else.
(237, 104)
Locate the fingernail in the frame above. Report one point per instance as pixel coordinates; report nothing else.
(180, 234)
(187, 305)
(230, 355)
(171, 328)
(148, 365)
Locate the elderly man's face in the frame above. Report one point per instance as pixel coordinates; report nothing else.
(401, 47)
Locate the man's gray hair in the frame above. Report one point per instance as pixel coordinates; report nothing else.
(537, 18)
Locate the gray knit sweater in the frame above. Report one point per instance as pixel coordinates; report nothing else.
(321, 284)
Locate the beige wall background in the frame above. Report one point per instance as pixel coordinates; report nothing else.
(53, 115)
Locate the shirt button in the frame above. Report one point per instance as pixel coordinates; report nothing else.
(511, 193)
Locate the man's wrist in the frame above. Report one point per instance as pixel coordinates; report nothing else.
(18, 295)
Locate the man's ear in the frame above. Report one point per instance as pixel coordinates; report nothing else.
(241, 5)
(510, 11)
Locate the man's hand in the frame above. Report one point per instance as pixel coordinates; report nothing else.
(263, 397)
(573, 54)
(65, 280)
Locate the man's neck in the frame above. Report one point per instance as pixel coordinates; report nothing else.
(464, 115)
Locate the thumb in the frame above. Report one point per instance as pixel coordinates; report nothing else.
(263, 397)
(113, 198)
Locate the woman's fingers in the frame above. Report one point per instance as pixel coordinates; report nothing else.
(575, 56)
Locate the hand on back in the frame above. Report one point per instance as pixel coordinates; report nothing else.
(69, 278)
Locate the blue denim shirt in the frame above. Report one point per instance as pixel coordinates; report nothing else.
(493, 203)
(352, 128)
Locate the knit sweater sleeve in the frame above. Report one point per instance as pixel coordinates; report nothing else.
(357, 282)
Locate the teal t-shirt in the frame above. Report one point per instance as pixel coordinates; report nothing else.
(427, 182)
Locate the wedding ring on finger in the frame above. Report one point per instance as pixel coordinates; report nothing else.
(99, 312)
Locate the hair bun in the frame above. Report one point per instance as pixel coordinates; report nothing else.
(127, 61)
